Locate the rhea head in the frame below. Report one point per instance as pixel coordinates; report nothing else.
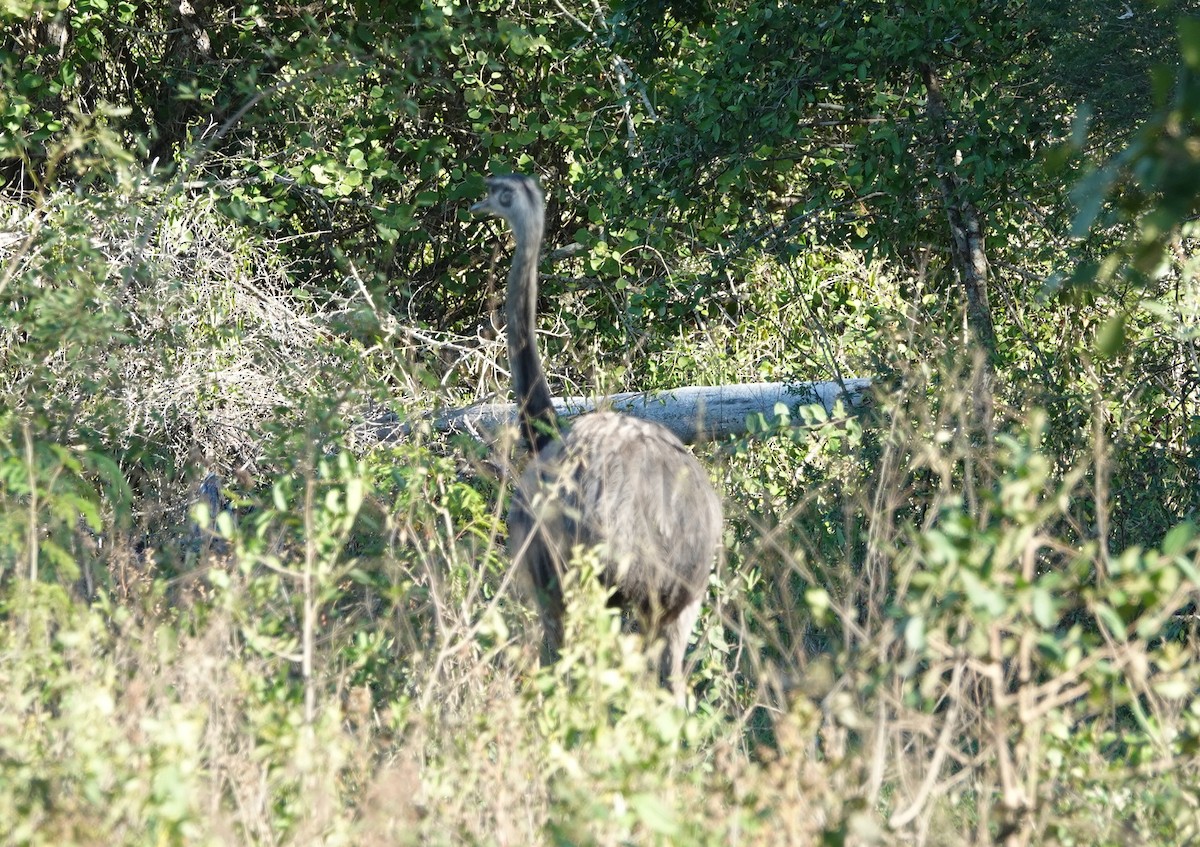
(518, 200)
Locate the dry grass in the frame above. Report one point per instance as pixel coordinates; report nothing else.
(913, 639)
(210, 343)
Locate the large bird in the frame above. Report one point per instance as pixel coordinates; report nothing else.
(627, 488)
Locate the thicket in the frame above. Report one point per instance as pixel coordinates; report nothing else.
(235, 247)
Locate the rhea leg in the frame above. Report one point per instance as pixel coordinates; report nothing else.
(675, 637)
(552, 635)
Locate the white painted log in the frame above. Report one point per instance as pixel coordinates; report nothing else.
(695, 413)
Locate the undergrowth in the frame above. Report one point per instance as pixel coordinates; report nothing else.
(229, 618)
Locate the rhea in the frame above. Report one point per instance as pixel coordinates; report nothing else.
(626, 488)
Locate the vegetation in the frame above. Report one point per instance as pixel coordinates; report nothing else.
(235, 248)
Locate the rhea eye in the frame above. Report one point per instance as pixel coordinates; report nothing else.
(504, 197)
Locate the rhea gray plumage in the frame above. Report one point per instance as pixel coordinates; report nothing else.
(625, 487)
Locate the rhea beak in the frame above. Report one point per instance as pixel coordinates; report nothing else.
(484, 206)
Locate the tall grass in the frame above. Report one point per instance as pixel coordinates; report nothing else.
(224, 619)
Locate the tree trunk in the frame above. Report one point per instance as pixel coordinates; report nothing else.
(966, 248)
(189, 47)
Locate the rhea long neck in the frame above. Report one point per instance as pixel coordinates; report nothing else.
(538, 419)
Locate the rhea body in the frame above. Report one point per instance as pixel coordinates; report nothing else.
(627, 488)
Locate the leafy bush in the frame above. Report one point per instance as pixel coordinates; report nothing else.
(235, 250)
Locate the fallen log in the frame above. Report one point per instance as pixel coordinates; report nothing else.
(694, 413)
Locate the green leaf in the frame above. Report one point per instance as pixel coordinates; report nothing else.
(117, 487)
(940, 548)
(654, 814)
(1178, 538)
(982, 596)
(1089, 196)
(1110, 619)
(1111, 337)
(1188, 569)
(914, 633)
(1044, 608)
(88, 510)
(63, 561)
(1189, 41)
(819, 603)
(355, 491)
(1173, 688)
